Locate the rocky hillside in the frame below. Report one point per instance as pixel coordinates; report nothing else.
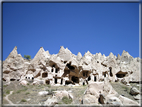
(96, 71)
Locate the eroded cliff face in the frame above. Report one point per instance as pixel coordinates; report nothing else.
(66, 68)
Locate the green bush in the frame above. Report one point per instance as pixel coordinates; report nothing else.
(66, 100)
(4, 85)
(8, 92)
(23, 100)
(28, 57)
(27, 93)
(49, 86)
(18, 91)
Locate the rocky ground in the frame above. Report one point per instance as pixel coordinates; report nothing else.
(29, 94)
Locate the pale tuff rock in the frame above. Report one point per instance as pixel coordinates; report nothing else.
(103, 93)
(66, 68)
(65, 54)
(79, 56)
(43, 93)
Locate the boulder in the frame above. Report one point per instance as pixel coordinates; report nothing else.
(127, 102)
(43, 93)
(51, 101)
(134, 91)
(24, 82)
(137, 97)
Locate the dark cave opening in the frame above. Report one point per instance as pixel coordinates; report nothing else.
(110, 69)
(12, 79)
(121, 74)
(47, 82)
(70, 67)
(52, 70)
(89, 78)
(68, 82)
(95, 79)
(55, 81)
(83, 83)
(104, 73)
(75, 79)
(56, 70)
(61, 81)
(85, 73)
(44, 75)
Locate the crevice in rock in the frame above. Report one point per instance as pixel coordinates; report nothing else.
(37, 75)
(101, 99)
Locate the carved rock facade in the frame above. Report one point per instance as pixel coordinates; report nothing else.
(66, 68)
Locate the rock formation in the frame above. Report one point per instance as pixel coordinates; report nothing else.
(66, 68)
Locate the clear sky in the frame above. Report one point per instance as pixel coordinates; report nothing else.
(97, 27)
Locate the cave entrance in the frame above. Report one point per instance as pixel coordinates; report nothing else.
(104, 73)
(56, 70)
(89, 78)
(83, 83)
(121, 74)
(95, 79)
(68, 82)
(75, 79)
(55, 81)
(12, 79)
(70, 67)
(110, 70)
(44, 74)
(52, 70)
(85, 73)
(61, 81)
(47, 82)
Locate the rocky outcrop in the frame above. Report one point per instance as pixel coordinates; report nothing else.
(104, 94)
(66, 68)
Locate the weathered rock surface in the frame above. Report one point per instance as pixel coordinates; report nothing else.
(134, 91)
(103, 93)
(66, 68)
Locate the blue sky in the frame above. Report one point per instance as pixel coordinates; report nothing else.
(97, 27)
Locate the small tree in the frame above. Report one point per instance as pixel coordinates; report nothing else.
(28, 57)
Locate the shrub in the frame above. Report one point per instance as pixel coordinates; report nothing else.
(8, 92)
(23, 100)
(66, 100)
(4, 85)
(27, 93)
(18, 91)
(48, 86)
(28, 57)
